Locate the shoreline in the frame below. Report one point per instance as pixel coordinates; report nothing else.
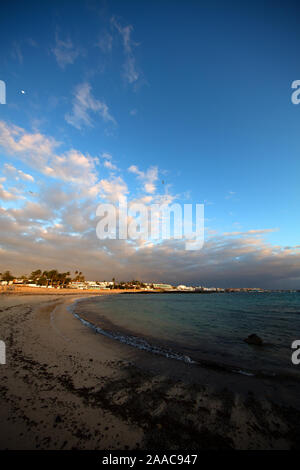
(102, 325)
(44, 291)
(65, 387)
(142, 343)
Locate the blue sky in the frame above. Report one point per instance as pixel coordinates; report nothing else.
(193, 98)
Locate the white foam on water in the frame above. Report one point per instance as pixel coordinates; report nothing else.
(136, 342)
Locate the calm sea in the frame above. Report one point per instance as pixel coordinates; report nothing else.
(209, 329)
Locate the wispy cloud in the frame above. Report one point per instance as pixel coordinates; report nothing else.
(16, 52)
(250, 232)
(230, 194)
(105, 43)
(131, 73)
(148, 178)
(65, 52)
(84, 104)
(32, 42)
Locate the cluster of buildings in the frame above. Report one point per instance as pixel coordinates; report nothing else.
(91, 285)
(136, 285)
(203, 289)
(72, 285)
(183, 288)
(158, 287)
(84, 285)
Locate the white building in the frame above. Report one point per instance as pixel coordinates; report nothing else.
(77, 285)
(182, 287)
(162, 286)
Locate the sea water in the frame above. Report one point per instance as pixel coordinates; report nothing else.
(208, 329)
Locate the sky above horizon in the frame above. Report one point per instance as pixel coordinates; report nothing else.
(186, 102)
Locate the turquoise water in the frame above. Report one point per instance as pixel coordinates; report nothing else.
(205, 327)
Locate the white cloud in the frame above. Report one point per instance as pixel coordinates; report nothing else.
(223, 261)
(73, 167)
(25, 176)
(83, 105)
(15, 140)
(113, 189)
(32, 211)
(58, 228)
(39, 152)
(56, 197)
(107, 157)
(108, 164)
(149, 177)
(6, 195)
(8, 168)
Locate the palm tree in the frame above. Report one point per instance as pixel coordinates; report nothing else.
(53, 274)
(63, 278)
(7, 276)
(67, 280)
(35, 275)
(42, 281)
(46, 276)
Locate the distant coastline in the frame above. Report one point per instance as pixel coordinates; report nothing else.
(38, 290)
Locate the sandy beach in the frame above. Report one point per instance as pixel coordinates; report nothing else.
(65, 387)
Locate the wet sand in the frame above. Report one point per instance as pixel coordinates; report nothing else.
(65, 387)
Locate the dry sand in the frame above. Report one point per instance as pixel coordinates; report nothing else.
(65, 387)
